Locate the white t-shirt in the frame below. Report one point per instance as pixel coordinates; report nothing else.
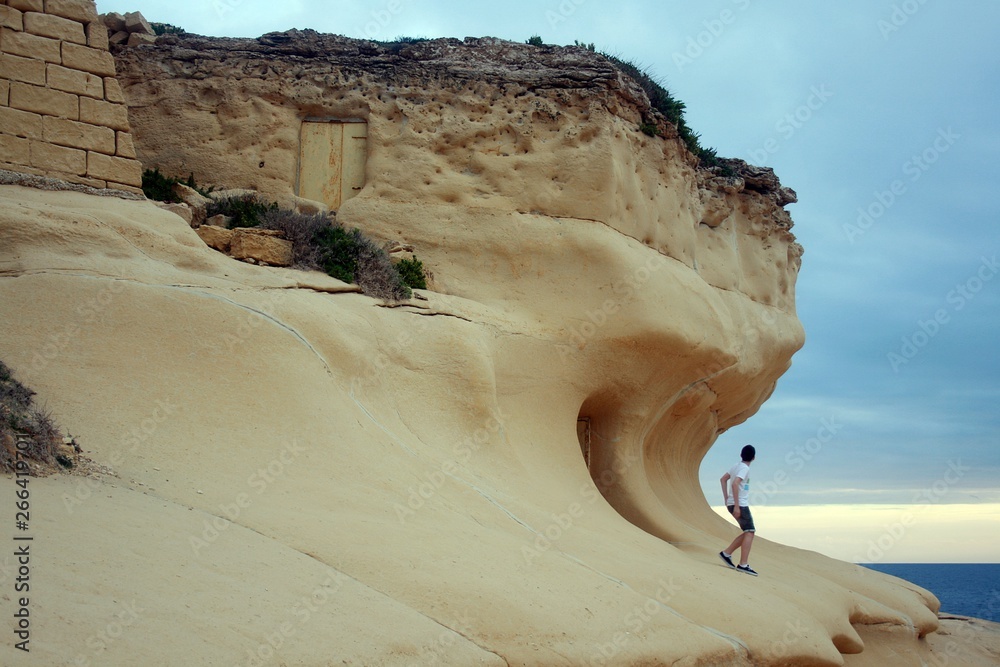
(741, 470)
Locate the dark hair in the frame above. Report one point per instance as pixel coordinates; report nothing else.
(748, 454)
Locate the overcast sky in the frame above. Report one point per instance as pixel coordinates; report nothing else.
(882, 115)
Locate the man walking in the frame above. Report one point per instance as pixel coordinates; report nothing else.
(736, 491)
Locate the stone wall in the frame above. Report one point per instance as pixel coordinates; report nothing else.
(62, 112)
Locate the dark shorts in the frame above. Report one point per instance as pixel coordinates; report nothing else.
(745, 520)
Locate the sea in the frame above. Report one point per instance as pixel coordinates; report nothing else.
(963, 589)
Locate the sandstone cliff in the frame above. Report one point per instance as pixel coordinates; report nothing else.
(502, 472)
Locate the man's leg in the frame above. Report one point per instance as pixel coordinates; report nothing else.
(747, 542)
(737, 543)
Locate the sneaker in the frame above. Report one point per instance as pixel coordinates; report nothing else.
(726, 559)
(747, 569)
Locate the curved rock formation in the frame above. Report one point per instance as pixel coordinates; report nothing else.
(502, 472)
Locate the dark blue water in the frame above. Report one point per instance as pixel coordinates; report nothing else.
(967, 590)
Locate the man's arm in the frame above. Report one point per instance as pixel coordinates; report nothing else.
(737, 482)
(725, 494)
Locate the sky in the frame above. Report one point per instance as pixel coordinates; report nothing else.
(882, 442)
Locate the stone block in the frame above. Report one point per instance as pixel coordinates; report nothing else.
(97, 35)
(219, 220)
(23, 168)
(27, 5)
(198, 203)
(124, 146)
(75, 81)
(119, 37)
(15, 149)
(250, 243)
(190, 196)
(219, 238)
(182, 210)
(78, 135)
(108, 114)
(83, 180)
(309, 206)
(58, 158)
(97, 61)
(140, 38)
(117, 169)
(56, 27)
(11, 18)
(4, 92)
(136, 22)
(126, 188)
(113, 90)
(114, 21)
(17, 68)
(32, 46)
(45, 101)
(21, 123)
(83, 11)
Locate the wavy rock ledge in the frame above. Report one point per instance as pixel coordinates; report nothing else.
(304, 477)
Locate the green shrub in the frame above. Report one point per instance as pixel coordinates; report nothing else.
(535, 40)
(347, 255)
(650, 129)
(158, 187)
(21, 420)
(672, 109)
(375, 273)
(167, 29)
(412, 273)
(301, 230)
(337, 250)
(246, 210)
(397, 45)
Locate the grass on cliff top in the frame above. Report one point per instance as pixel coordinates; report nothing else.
(21, 421)
(671, 108)
(662, 101)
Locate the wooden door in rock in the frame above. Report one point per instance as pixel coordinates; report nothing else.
(332, 160)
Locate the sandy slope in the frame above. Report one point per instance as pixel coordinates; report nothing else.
(305, 477)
